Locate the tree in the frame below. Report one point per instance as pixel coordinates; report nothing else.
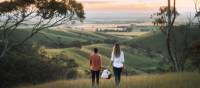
(169, 28)
(161, 19)
(197, 9)
(166, 18)
(37, 14)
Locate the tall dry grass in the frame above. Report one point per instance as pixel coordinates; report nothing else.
(169, 80)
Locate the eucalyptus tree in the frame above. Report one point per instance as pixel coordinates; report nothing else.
(37, 14)
(165, 18)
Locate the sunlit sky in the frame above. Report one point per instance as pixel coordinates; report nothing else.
(131, 5)
(130, 8)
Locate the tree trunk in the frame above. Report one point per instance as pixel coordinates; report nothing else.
(168, 36)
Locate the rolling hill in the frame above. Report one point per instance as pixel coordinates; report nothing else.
(137, 61)
(169, 80)
(66, 38)
(68, 51)
(144, 54)
(155, 41)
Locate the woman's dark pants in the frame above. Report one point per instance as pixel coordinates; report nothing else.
(117, 73)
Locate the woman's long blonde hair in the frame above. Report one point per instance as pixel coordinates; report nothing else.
(116, 50)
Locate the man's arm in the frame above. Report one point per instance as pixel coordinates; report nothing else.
(90, 62)
(100, 62)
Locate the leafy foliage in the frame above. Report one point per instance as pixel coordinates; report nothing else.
(37, 14)
(25, 65)
(45, 8)
(160, 17)
(197, 14)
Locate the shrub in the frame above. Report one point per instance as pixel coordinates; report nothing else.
(25, 65)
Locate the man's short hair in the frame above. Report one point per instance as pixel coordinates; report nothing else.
(95, 50)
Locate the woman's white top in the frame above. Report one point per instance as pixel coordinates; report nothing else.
(118, 62)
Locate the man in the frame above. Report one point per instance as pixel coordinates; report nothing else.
(95, 67)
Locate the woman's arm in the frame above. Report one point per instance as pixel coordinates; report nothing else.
(111, 63)
(122, 59)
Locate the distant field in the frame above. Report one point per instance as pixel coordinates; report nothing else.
(169, 80)
(127, 33)
(52, 38)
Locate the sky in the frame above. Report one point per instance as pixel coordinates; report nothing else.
(130, 5)
(131, 8)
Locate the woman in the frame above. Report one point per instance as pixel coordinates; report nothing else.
(117, 61)
(95, 66)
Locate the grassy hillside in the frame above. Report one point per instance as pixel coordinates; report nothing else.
(53, 38)
(62, 42)
(170, 80)
(136, 61)
(155, 41)
(152, 41)
(143, 54)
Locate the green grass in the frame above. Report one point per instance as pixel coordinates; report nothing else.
(135, 63)
(51, 38)
(127, 33)
(137, 60)
(169, 80)
(155, 41)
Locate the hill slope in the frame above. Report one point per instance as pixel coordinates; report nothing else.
(62, 43)
(136, 61)
(170, 80)
(67, 38)
(155, 41)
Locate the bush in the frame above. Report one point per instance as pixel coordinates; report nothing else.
(77, 44)
(25, 65)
